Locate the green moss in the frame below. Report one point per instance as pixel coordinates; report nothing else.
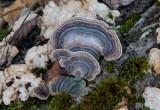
(141, 99)
(132, 100)
(110, 67)
(57, 102)
(129, 23)
(3, 33)
(107, 94)
(61, 102)
(134, 68)
(157, 3)
(75, 107)
(92, 82)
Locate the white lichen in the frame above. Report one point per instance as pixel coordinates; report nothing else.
(152, 98)
(2, 82)
(115, 13)
(147, 32)
(158, 36)
(38, 56)
(19, 83)
(154, 59)
(7, 94)
(7, 53)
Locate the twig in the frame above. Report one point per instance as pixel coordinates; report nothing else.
(149, 26)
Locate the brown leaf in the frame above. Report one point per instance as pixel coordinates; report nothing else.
(55, 71)
(123, 104)
(27, 3)
(15, 96)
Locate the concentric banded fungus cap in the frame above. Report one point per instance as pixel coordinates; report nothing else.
(93, 36)
(74, 85)
(80, 63)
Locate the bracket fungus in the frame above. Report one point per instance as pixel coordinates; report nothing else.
(93, 36)
(53, 74)
(79, 64)
(117, 3)
(73, 85)
(57, 82)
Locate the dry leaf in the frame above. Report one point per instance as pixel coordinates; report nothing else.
(27, 3)
(54, 71)
(123, 104)
(14, 10)
(16, 37)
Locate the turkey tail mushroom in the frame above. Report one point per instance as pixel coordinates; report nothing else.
(74, 86)
(93, 36)
(57, 82)
(79, 64)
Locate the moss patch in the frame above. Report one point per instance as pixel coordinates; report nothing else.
(3, 33)
(129, 23)
(110, 67)
(157, 3)
(105, 96)
(134, 68)
(57, 102)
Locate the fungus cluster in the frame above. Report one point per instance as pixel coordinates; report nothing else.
(76, 44)
(88, 40)
(58, 82)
